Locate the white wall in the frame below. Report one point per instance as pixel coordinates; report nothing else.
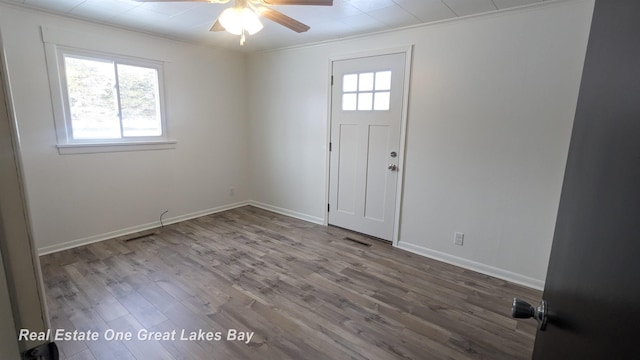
(79, 198)
(492, 102)
(491, 107)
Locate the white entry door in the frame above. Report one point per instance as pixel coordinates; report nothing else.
(366, 115)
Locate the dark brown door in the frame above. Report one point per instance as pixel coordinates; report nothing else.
(593, 282)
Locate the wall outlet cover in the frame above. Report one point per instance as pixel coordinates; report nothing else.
(458, 238)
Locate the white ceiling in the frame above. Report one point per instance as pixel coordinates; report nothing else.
(191, 20)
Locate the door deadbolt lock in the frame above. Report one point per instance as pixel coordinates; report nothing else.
(523, 310)
(393, 154)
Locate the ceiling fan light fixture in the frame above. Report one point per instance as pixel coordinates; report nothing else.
(236, 20)
(250, 21)
(231, 21)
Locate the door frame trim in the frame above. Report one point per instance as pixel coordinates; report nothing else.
(20, 259)
(408, 51)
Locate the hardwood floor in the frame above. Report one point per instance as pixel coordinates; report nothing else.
(305, 291)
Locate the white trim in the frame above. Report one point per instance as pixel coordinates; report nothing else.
(403, 142)
(422, 251)
(327, 159)
(474, 266)
(347, 38)
(134, 229)
(90, 148)
(407, 50)
(55, 55)
(56, 91)
(374, 52)
(20, 270)
(287, 212)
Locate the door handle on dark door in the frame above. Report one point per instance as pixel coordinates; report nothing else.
(523, 310)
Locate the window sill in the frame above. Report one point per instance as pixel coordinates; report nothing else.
(92, 148)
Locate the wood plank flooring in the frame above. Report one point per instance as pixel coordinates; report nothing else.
(305, 291)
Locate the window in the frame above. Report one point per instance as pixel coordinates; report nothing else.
(366, 91)
(106, 102)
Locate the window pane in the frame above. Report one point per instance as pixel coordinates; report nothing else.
(139, 101)
(366, 82)
(92, 98)
(381, 101)
(365, 101)
(350, 82)
(383, 80)
(349, 102)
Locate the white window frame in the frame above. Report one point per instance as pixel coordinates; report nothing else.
(66, 144)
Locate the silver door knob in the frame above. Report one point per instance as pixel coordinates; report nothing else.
(523, 310)
(393, 167)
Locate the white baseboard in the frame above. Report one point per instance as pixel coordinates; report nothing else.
(472, 265)
(134, 229)
(437, 255)
(287, 212)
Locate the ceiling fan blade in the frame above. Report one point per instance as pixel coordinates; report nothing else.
(217, 26)
(283, 20)
(299, 2)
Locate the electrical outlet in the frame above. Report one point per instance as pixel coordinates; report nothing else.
(458, 238)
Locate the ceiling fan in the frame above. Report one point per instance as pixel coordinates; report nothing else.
(243, 17)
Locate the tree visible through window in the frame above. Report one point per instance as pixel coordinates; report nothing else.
(108, 100)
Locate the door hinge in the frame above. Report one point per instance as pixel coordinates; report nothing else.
(328, 207)
(329, 146)
(331, 80)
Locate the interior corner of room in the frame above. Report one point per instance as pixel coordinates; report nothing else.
(489, 114)
(489, 120)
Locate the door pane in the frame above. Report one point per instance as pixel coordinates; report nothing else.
(376, 180)
(347, 168)
(350, 83)
(349, 102)
(365, 82)
(383, 80)
(365, 101)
